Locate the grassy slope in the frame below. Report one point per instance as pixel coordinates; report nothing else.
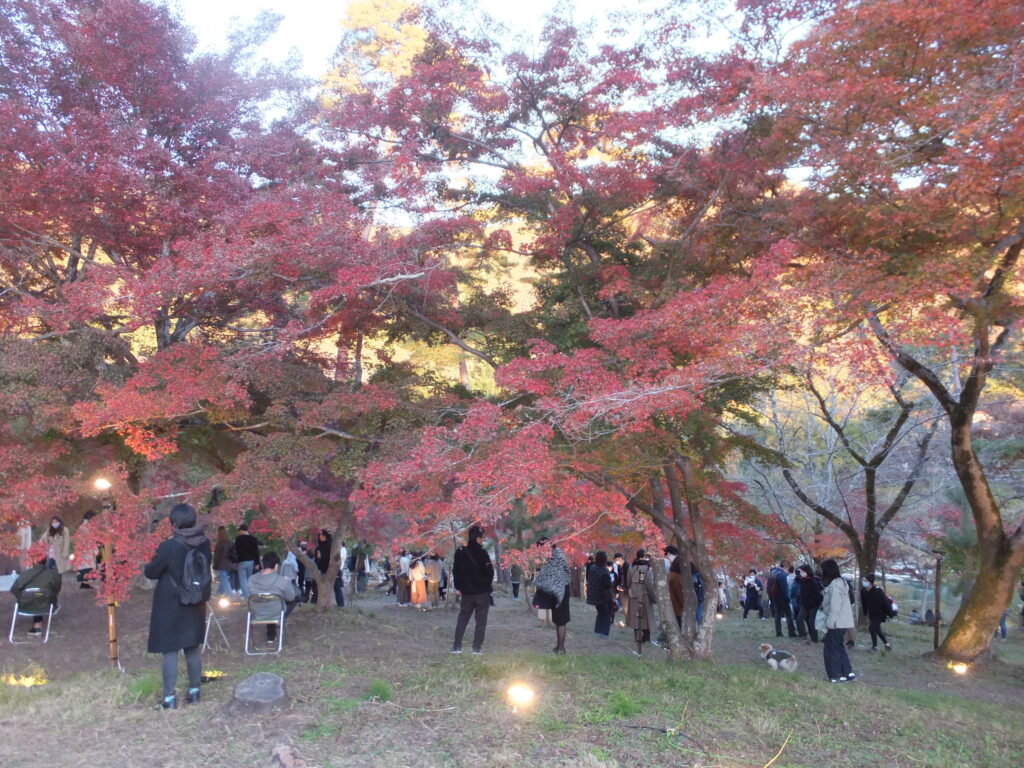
(375, 688)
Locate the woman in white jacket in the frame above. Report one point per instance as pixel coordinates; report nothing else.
(837, 617)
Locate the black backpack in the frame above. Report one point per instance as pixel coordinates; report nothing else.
(196, 580)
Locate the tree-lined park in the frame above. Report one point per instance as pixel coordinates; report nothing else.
(740, 278)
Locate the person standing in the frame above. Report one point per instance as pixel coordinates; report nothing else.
(778, 593)
(752, 594)
(418, 583)
(435, 570)
(837, 618)
(810, 600)
(58, 545)
(473, 574)
(640, 588)
(876, 607)
(552, 585)
(174, 626)
(222, 561)
(600, 594)
(404, 563)
(247, 555)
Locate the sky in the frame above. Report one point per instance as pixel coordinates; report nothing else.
(313, 27)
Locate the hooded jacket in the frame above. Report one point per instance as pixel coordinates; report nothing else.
(173, 626)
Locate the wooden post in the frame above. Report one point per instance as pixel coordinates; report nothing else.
(112, 633)
(938, 601)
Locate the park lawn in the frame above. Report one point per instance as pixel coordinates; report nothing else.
(374, 687)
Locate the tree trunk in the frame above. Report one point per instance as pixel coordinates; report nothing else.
(1000, 557)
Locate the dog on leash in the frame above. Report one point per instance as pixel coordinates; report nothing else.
(783, 660)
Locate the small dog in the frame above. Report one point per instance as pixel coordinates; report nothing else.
(783, 660)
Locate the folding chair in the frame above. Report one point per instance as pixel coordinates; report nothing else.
(34, 602)
(265, 608)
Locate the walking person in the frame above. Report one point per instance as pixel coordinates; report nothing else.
(173, 625)
(601, 594)
(876, 606)
(836, 619)
(473, 575)
(552, 585)
(222, 562)
(247, 555)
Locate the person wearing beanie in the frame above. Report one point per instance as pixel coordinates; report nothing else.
(174, 626)
(473, 575)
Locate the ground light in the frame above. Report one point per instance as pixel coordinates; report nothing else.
(520, 696)
(30, 678)
(101, 484)
(960, 668)
(224, 603)
(719, 616)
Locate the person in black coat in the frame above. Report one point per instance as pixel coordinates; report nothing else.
(473, 575)
(876, 606)
(600, 594)
(175, 627)
(810, 600)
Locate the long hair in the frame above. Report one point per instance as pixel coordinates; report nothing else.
(829, 571)
(51, 531)
(222, 535)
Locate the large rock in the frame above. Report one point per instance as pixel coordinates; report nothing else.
(258, 694)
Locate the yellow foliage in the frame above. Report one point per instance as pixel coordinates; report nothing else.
(379, 39)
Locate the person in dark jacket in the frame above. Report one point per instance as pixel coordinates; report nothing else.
(752, 594)
(876, 606)
(222, 561)
(247, 555)
(810, 600)
(45, 578)
(600, 594)
(175, 627)
(321, 558)
(473, 575)
(780, 599)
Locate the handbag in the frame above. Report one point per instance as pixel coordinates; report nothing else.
(819, 622)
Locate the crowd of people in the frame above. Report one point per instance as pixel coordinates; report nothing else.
(816, 605)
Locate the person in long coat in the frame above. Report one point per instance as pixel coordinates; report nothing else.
(57, 539)
(640, 587)
(837, 614)
(175, 627)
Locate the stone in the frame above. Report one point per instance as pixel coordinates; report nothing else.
(258, 694)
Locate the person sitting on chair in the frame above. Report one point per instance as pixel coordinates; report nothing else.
(45, 579)
(269, 581)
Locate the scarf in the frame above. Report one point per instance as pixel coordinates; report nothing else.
(553, 576)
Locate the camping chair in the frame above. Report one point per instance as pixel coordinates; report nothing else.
(34, 602)
(265, 608)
